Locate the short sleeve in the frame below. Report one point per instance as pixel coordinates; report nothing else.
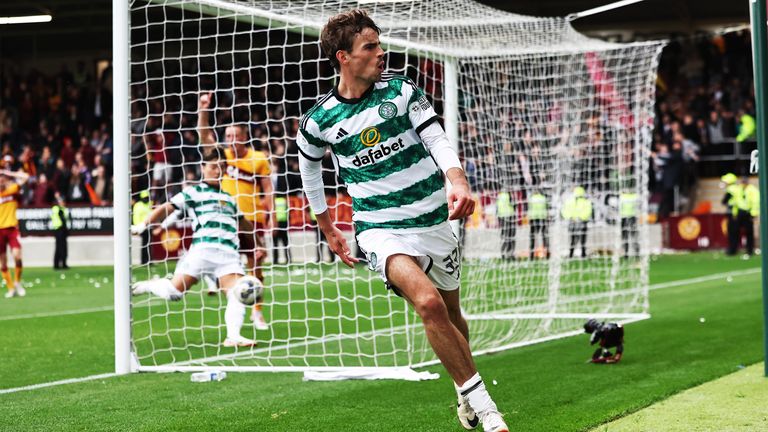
(309, 140)
(181, 199)
(420, 111)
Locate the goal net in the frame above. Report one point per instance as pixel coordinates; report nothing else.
(536, 110)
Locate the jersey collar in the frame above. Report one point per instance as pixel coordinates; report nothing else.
(353, 100)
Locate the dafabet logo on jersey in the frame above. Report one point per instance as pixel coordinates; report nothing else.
(370, 136)
(372, 156)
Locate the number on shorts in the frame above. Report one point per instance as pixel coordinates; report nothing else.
(452, 263)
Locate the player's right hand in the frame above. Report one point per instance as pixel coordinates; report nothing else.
(338, 245)
(205, 101)
(138, 229)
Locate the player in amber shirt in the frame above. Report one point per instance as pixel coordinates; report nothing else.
(247, 179)
(10, 188)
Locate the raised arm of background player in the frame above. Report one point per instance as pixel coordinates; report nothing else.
(460, 202)
(20, 177)
(207, 137)
(204, 130)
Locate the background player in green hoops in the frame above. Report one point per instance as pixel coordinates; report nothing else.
(390, 151)
(215, 245)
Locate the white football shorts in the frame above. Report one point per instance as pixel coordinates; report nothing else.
(437, 252)
(207, 260)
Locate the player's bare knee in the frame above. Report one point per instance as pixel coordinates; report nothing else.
(432, 309)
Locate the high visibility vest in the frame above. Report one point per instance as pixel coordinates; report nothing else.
(141, 210)
(537, 207)
(735, 191)
(750, 200)
(281, 209)
(504, 207)
(747, 128)
(577, 208)
(628, 205)
(57, 221)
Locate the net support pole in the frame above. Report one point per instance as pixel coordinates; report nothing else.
(122, 266)
(451, 113)
(760, 56)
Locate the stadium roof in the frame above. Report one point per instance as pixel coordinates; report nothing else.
(85, 25)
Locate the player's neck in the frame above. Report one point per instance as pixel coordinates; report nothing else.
(352, 88)
(214, 183)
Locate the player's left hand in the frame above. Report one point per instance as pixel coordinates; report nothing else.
(460, 202)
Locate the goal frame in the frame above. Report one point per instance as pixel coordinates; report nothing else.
(125, 360)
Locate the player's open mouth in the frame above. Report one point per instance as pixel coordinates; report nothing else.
(381, 66)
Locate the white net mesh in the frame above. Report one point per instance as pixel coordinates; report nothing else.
(536, 108)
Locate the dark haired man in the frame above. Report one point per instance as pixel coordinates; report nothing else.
(390, 151)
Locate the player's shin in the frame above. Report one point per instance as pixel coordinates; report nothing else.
(8, 280)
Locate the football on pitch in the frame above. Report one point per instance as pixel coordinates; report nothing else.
(247, 289)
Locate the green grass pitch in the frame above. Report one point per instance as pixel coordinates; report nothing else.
(64, 329)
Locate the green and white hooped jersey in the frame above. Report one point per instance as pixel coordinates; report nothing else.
(390, 175)
(214, 214)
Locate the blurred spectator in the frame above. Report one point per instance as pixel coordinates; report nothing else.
(41, 196)
(715, 131)
(747, 127)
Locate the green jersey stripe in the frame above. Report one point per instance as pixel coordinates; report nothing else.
(327, 118)
(435, 217)
(214, 240)
(416, 192)
(219, 225)
(311, 139)
(215, 201)
(398, 162)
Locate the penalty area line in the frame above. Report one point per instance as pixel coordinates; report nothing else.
(56, 383)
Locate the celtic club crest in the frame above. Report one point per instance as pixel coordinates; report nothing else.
(387, 110)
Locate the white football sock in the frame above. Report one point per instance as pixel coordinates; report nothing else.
(475, 393)
(163, 288)
(210, 282)
(234, 315)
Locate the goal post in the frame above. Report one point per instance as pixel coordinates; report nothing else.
(533, 107)
(121, 179)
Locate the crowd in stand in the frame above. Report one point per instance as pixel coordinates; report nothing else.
(705, 99)
(57, 127)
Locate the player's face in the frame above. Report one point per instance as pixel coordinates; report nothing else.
(366, 59)
(212, 172)
(234, 135)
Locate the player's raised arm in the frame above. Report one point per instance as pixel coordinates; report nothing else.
(20, 177)
(204, 129)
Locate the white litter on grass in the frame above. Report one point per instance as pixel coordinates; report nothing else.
(63, 276)
(702, 319)
(729, 279)
(495, 382)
